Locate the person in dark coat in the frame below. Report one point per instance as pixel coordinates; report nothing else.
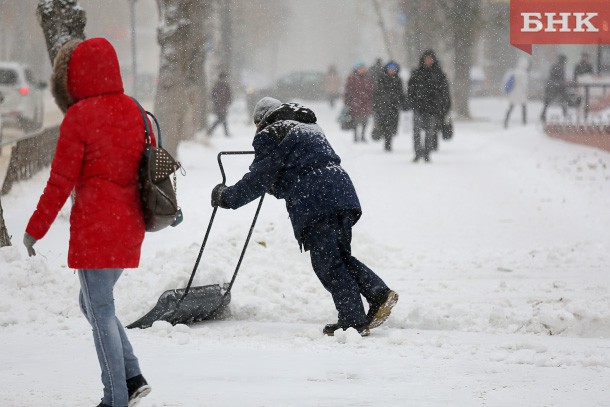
(358, 99)
(556, 87)
(583, 67)
(100, 145)
(294, 161)
(388, 101)
(428, 96)
(221, 98)
(376, 70)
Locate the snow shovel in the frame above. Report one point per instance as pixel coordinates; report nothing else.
(195, 304)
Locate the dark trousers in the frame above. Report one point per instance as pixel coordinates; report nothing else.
(344, 276)
(428, 124)
(550, 96)
(386, 125)
(221, 118)
(360, 128)
(510, 110)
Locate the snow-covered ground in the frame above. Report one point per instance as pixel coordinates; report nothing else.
(498, 249)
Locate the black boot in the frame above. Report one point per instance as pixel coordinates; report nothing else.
(380, 310)
(363, 329)
(137, 388)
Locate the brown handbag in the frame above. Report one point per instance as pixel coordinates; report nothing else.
(157, 182)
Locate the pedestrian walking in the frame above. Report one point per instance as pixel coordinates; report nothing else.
(332, 85)
(101, 141)
(358, 98)
(376, 70)
(221, 99)
(429, 97)
(556, 87)
(294, 161)
(388, 100)
(516, 88)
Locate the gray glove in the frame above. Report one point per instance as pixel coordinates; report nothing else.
(28, 242)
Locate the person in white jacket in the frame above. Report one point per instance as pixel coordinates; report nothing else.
(517, 90)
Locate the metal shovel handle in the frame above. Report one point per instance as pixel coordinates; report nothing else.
(207, 233)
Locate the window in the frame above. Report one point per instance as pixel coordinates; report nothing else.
(8, 77)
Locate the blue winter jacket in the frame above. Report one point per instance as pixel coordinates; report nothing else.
(294, 161)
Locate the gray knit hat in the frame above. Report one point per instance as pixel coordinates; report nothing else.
(264, 106)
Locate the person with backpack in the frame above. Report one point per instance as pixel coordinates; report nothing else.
(516, 88)
(294, 161)
(101, 141)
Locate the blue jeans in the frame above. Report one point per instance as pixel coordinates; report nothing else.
(114, 352)
(344, 276)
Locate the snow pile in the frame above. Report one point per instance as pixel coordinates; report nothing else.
(498, 250)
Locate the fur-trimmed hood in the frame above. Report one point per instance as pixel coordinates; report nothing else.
(84, 69)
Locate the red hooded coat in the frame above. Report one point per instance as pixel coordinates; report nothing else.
(98, 154)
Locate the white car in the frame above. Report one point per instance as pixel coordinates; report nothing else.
(22, 97)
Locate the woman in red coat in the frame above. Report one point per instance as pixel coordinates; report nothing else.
(98, 153)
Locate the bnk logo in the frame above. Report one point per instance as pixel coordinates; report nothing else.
(559, 22)
(562, 22)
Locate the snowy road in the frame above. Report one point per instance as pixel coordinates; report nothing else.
(498, 250)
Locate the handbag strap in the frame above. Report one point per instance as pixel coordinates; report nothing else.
(146, 113)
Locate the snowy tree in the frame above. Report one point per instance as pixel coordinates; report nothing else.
(453, 24)
(61, 21)
(225, 31)
(424, 26)
(463, 21)
(180, 99)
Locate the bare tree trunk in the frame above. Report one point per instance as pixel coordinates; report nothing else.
(5, 239)
(61, 21)
(425, 28)
(196, 79)
(464, 17)
(226, 37)
(180, 98)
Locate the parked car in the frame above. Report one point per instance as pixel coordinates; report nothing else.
(22, 106)
(305, 85)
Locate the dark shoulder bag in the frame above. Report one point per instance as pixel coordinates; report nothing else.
(157, 191)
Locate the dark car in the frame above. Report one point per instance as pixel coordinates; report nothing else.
(305, 85)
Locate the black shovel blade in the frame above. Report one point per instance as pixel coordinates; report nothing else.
(200, 304)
